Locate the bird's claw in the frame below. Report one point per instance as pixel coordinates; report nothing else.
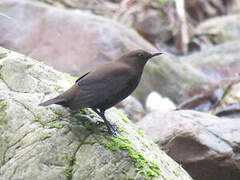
(99, 123)
(113, 129)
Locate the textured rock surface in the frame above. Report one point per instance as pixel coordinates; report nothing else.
(207, 146)
(223, 28)
(73, 41)
(219, 62)
(56, 143)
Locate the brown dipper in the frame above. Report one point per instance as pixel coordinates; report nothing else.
(105, 86)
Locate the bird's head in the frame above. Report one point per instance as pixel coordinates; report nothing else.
(138, 57)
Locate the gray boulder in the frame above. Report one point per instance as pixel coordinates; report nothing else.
(219, 62)
(206, 146)
(221, 29)
(47, 143)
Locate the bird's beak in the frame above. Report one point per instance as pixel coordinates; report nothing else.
(155, 54)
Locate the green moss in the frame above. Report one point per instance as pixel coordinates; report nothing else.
(124, 171)
(143, 166)
(178, 171)
(152, 143)
(154, 167)
(113, 145)
(59, 118)
(36, 118)
(57, 87)
(146, 146)
(53, 123)
(3, 108)
(121, 129)
(140, 132)
(71, 160)
(109, 146)
(47, 136)
(125, 119)
(105, 162)
(68, 172)
(1, 77)
(89, 143)
(150, 173)
(92, 115)
(58, 126)
(85, 111)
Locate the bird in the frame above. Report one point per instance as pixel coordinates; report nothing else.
(105, 86)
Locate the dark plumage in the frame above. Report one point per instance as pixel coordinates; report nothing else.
(105, 86)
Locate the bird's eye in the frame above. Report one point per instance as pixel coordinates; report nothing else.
(141, 55)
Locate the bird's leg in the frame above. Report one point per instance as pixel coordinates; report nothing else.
(112, 129)
(99, 116)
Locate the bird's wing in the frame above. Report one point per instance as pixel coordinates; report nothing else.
(97, 88)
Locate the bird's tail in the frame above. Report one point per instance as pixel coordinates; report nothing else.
(52, 101)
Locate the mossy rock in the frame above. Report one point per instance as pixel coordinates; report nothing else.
(56, 143)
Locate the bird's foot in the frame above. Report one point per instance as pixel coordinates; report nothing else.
(112, 129)
(99, 122)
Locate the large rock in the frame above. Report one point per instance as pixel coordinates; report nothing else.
(55, 143)
(69, 40)
(221, 29)
(73, 41)
(220, 62)
(207, 146)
